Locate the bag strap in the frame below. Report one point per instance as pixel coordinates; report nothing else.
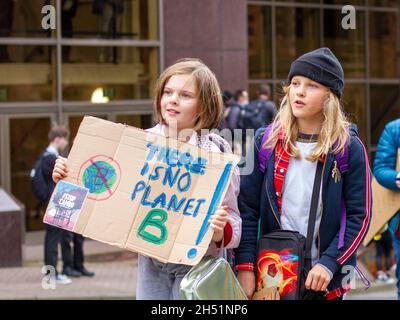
(342, 159)
(313, 209)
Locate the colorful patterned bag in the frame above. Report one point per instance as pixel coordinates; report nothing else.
(284, 256)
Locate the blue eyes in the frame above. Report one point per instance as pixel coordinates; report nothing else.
(311, 85)
(182, 95)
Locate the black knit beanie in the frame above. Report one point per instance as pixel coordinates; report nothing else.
(321, 66)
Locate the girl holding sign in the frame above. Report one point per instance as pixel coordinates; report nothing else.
(310, 128)
(187, 100)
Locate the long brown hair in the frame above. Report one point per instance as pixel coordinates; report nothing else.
(210, 108)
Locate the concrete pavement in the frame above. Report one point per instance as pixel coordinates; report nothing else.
(115, 276)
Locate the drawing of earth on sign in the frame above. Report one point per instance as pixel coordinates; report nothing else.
(101, 175)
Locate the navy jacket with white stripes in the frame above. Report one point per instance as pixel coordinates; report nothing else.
(259, 211)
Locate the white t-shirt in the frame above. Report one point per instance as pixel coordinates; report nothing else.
(297, 192)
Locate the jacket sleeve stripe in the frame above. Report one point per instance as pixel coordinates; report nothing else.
(350, 251)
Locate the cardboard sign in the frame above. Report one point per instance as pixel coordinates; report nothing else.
(385, 204)
(141, 191)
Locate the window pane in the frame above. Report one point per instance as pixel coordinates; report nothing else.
(384, 3)
(27, 73)
(75, 121)
(354, 107)
(23, 19)
(351, 2)
(28, 139)
(129, 19)
(259, 33)
(348, 45)
(109, 73)
(297, 31)
(143, 121)
(385, 107)
(296, 1)
(383, 36)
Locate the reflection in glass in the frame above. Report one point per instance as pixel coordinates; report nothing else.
(385, 107)
(28, 139)
(259, 40)
(143, 121)
(23, 18)
(384, 3)
(295, 1)
(382, 44)
(75, 121)
(348, 45)
(297, 32)
(355, 108)
(6, 21)
(110, 19)
(347, 2)
(121, 73)
(26, 73)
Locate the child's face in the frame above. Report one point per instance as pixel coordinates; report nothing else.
(307, 98)
(243, 98)
(61, 143)
(179, 101)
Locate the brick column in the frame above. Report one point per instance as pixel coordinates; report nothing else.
(212, 30)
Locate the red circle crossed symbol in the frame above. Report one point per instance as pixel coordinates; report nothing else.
(101, 174)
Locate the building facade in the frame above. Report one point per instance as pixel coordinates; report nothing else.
(103, 59)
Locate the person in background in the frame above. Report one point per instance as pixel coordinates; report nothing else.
(386, 174)
(73, 258)
(242, 97)
(42, 180)
(228, 103)
(383, 246)
(264, 106)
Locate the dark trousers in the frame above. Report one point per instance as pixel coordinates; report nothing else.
(396, 246)
(72, 257)
(383, 250)
(52, 239)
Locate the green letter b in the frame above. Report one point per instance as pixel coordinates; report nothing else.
(155, 218)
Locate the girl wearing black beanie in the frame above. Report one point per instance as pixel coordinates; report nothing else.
(309, 128)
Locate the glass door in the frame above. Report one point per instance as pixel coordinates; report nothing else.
(28, 138)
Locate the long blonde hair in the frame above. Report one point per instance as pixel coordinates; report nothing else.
(335, 128)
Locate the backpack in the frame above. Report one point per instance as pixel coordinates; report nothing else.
(38, 182)
(253, 115)
(342, 163)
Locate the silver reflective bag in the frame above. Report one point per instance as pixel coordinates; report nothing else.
(211, 279)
